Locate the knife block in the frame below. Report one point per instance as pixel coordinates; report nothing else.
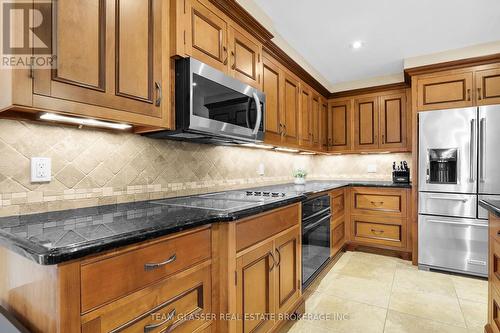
(401, 177)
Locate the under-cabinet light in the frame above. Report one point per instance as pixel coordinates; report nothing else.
(306, 153)
(83, 121)
(286, 150)
(255, 145)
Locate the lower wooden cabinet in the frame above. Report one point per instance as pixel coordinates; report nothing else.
(378, 217)
(168, 306)
(288, 268)
(493, 275)
(255, 288)
(268, 281)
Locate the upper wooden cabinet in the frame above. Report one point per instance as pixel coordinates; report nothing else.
(442, 92)
(372, 122)
(207, 39)
(339, 125)
(459, 88)
(245, 56)
(109, 60)
(393, 121)
(213, 38)
(291, 107)
(315, 121)
(305, 116)
(324, 128)
(488, 86)
(366, 123)
(272, 87)
(282, 103)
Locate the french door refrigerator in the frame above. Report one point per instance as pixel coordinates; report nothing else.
(459, 153)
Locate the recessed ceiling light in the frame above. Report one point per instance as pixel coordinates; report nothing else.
(357, 44)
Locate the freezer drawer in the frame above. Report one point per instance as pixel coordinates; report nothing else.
(453, 244)
(481, 212)
(447, 204)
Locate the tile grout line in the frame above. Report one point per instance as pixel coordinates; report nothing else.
(390, 296)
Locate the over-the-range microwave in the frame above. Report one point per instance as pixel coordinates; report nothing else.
(212, 107)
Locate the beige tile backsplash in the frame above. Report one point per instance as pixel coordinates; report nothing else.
(91, 167)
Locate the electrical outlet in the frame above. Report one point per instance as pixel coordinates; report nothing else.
(372, 168)
(261, 169)
(41, 169)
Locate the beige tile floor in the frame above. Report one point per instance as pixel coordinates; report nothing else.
(384, 294)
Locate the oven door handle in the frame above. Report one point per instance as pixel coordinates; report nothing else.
(259, 113)
(321, 212)
(315, 224)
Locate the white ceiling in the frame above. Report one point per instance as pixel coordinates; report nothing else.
(321, 32)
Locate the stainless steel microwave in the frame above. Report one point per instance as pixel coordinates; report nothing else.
(211, 106)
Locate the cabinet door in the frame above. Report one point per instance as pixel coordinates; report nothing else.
(337, 235)
(116, 62)
(255, 288)
(366, 123)
(444, 92)
(314, 125)
(287, 270)
(324, 125)
(393, 121)
(245, 57)
(291, 107)
(207, 35)
(339, 122)
(305, 116)
(488, 87)
(271, 84)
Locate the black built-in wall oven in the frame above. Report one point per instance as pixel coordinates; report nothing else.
(316, 216)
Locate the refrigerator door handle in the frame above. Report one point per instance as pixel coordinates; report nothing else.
(482, 149)
(472, 145)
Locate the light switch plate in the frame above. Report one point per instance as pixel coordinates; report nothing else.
(372, 168)
(41, 169)
(261, 169)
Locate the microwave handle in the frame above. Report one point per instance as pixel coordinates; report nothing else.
(259, 114)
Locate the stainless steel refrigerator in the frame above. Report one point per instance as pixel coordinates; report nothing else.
(459, 154)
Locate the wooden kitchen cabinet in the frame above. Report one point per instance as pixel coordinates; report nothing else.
(324, 133)
(366, 123)
(488, 86)
(272, 87)
(305, 116)
(245, 57)
(114, 71)
(291, 109)
(337, 224)
(393, 121)
(378, 217)
(339, 124)
(287, 270)
(206, 36)
(255, 283)
(445, 91)
(315, 121)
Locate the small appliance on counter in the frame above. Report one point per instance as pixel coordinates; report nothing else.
(400, 173)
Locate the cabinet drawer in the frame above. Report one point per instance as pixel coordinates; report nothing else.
(381, 202)
(254, 230)
(383, 231)
(167, 306)
(106, 279)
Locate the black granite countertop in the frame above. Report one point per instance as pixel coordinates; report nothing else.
(492, 206)
(54, 237)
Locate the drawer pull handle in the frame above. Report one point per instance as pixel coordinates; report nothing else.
(378, 232)
(151, 327)
(476, 262)
(377, 203)
(150, 267)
